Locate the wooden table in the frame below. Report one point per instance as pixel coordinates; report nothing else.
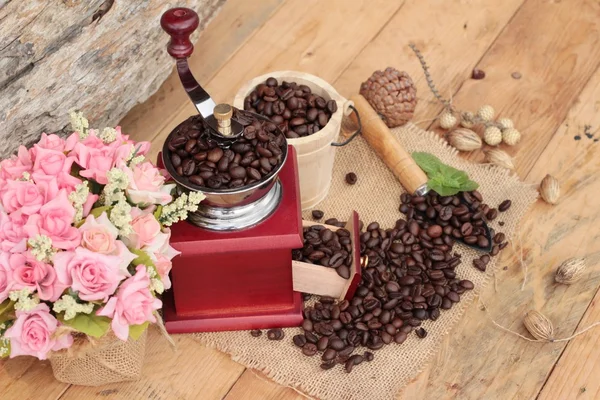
(553, 45)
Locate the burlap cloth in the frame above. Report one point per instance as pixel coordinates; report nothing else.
(105, 360)
(376, 197)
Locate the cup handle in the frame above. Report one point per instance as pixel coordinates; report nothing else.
(349, 109)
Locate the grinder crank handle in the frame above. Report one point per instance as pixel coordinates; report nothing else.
(387, 147)
(180, 23)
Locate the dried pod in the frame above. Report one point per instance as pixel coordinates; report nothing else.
(486, 113)
(539, 326)
(550, 189)
(447, 120)
(492, 136)
(505, 123)
(464, 139)
(466, 119)
(570, 271)
(511, 136)
(499, 158)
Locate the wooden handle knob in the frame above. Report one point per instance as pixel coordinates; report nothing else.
(180, 23)
(387, 147)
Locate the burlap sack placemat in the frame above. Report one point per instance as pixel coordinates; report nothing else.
(376, 197)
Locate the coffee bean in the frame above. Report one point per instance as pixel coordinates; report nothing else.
(309, 349)
(368, 356)
(256, 332)
(322, 343)
(492, 214)
(499, 238)
(505, 205)
(434, 231)
(275, 334)
(317, 214)
(351, 178)
(299, 340)
(421, 333)
(482, 241)
(445, 213)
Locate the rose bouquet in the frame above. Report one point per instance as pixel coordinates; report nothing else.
(84, 240)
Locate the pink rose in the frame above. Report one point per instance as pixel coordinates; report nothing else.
(55, 220)
(163, 266)
(32, 334)
(89, 203)
(51, 162)
(6, 279)
(99, 163)
(52, 142)
(132, 305)
(14, 167)
(147, 185)
(47, 185)
(22, 195)
(30, 273)
(95, 276)
(13, 237)
(100, 236)
(145, 229)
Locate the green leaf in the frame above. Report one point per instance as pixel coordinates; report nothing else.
(5, 343)
(158, 212)
(469, 186)
(7, 309)
(142, 258)
(428, 162)
(90, 324)
(441, 187)
(135, 331)
(97, 212)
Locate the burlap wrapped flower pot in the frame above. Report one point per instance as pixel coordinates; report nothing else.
(99, 362)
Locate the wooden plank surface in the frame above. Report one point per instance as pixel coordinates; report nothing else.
(552, 44)
(576, 373)
(191, 372)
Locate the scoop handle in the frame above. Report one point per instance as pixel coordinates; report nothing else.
(387, 147)
(180, 23)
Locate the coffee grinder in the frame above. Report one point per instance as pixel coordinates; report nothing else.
(235, 270)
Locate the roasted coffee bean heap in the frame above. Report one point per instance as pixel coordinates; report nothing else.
(322, 246)
(294, 108)
(461, 216)
(408, 279)
(196, 156)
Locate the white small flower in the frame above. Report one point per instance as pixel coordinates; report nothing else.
(41, 247)
(26, 176)
(117, 183)
(78, 197)
(79, 124)
(24, 299)
(69, 305)
(108, 135)
(120, 216)
(157, 285)
(179, 209)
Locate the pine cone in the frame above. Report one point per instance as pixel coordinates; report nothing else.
(392, 94)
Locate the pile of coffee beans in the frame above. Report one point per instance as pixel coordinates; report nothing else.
(410, 277)
(458, 217)
(197, 157)
(294, 108)
(326, 247)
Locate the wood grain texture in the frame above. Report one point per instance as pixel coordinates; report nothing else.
(253, 386)
(191, 372)
(59, 55)
(320, 41)
(576, 165)
(26, 378)
(555, 65)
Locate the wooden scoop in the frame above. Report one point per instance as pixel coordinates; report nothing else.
(402, 165)
(379, 137)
